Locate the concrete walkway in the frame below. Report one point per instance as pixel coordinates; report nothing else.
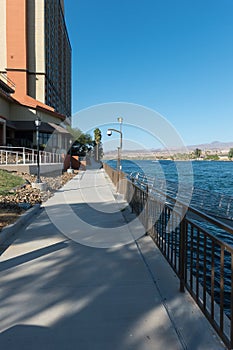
(76, 279)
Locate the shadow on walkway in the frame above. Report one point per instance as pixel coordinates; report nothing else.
(58, 294)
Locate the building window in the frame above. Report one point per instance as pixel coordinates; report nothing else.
(44, 138)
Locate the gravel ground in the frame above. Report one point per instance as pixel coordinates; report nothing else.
(20, 199)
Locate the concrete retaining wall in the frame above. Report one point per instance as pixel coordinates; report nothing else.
(8, 231)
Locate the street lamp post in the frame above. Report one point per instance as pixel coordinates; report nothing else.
(37, 124)
(119, 149)
(120, 120)
(70, 170)
(42, 186)
(70, 142)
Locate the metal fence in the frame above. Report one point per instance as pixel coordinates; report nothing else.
(198, 247)
(23, 155)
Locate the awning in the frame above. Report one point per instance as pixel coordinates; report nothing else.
(59, 129)
(30, 126)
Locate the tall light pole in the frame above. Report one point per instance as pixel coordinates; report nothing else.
(70, 142)
(109, 133)
(37, 124)
(70, 170)
(120, 120)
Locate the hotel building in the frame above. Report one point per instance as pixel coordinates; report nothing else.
(35, 71)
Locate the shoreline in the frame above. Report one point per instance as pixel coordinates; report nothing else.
(169, 159)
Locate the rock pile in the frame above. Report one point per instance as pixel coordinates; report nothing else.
(27, 194)
(22, 198)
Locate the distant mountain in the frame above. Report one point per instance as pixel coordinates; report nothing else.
(213, 146)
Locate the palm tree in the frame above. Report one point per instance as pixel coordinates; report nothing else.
(97, 138)
(230, 154)
(197, 153)
(82, 143)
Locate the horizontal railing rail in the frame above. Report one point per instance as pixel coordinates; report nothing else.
(198, 246)
(14, 148)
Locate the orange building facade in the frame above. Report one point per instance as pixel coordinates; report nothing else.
(35, 69)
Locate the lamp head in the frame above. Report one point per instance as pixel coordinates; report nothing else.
(37, 122)
(109, 133)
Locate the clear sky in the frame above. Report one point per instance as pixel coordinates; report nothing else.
(172, 56)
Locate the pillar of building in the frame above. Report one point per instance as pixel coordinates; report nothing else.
(16, 21)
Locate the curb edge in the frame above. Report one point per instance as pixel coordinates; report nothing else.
(8, 231)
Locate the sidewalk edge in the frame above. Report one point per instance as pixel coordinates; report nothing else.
(8, 231)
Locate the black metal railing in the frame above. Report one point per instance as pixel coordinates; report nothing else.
(202, 259)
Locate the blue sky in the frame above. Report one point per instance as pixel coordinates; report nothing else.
(172, 56)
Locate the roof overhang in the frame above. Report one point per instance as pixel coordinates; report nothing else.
(59, 129)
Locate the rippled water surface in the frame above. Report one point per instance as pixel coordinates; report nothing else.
(211, 176)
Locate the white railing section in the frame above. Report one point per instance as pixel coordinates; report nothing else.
(23, 155)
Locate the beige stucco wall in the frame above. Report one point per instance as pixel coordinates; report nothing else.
(2, 131)
(4, 107)
(21, 113)
(16, 112)
(40, 87)
(3, 63)
(36, 49)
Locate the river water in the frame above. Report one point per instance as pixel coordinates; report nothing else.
(210, 181)
(213, 176)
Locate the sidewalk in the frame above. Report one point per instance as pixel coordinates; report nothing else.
(76, 279)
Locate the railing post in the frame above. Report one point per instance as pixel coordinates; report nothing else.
(132, 181)
(182, 255)
(231, 331)
(147, 217)
(24, 155)
(118, 179)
